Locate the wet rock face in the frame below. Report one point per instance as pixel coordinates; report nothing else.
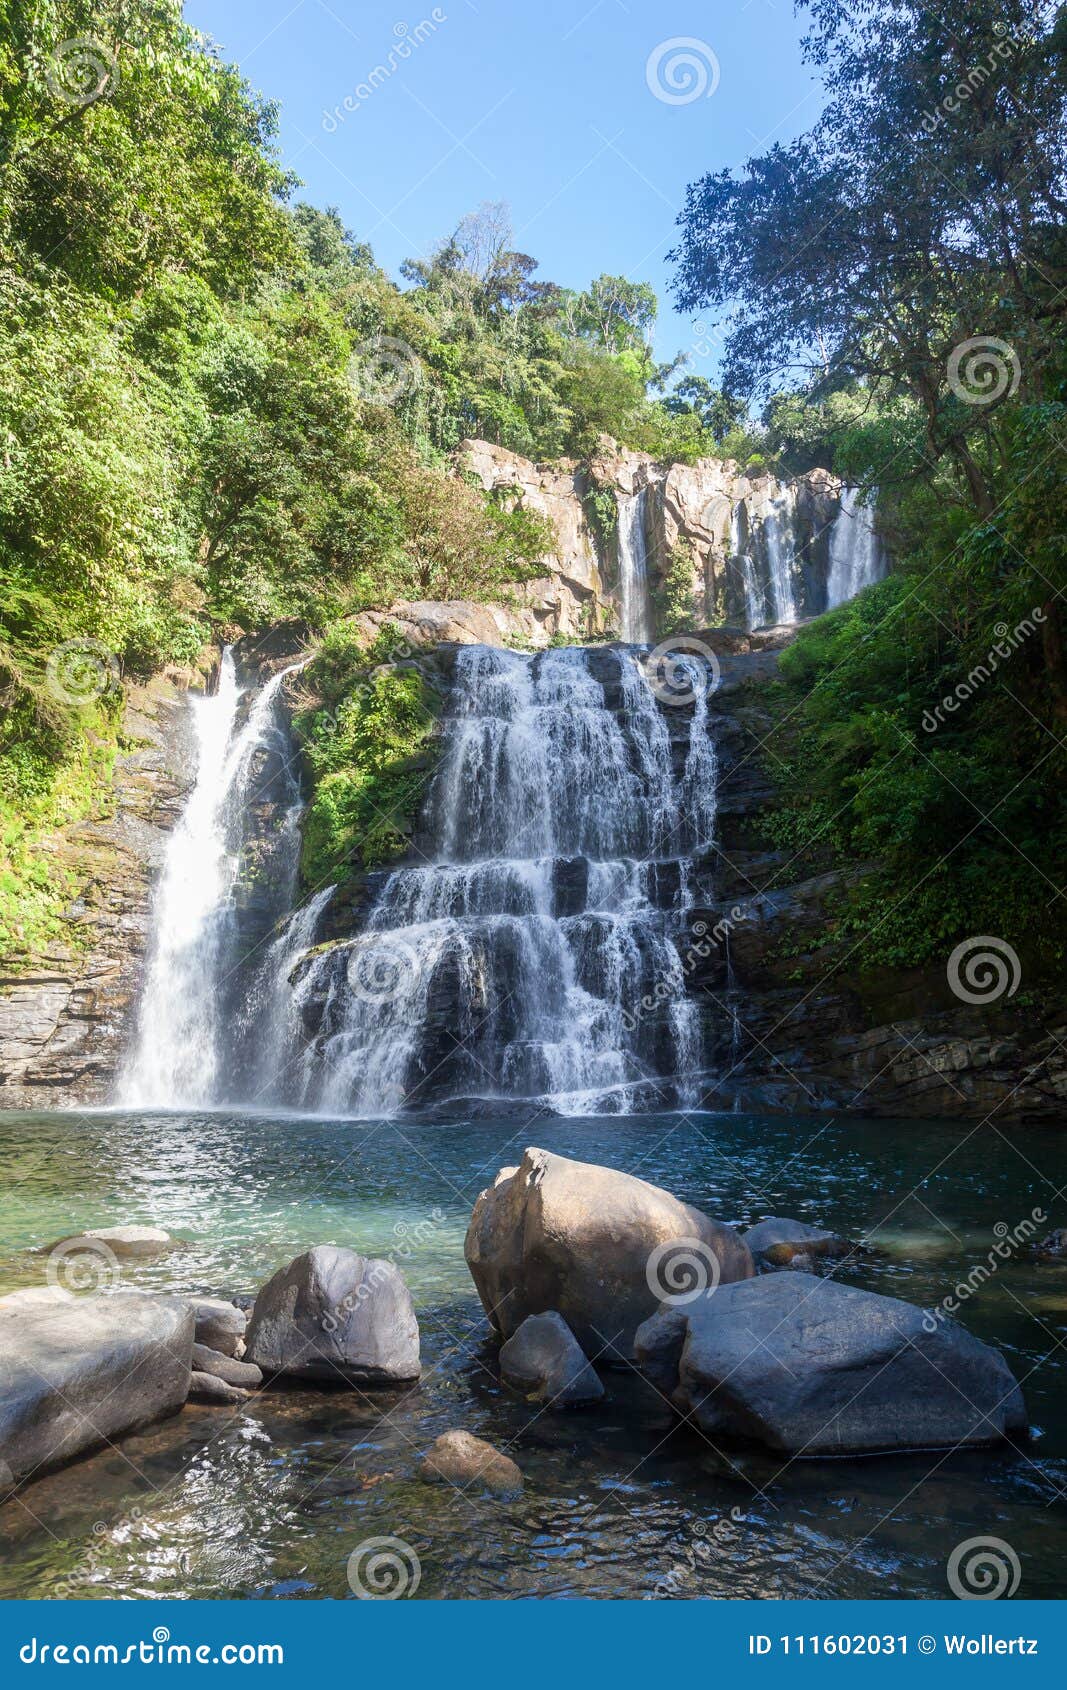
(65, 1021)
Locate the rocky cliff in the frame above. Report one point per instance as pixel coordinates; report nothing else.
(719, 533)
(793, 1021)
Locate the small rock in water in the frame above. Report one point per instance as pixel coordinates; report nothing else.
(207, 1387)
(1054, 1245)
(460, 1459)
(336, 1316)
(545, 1361)
(788, 1243)
(123, 1241)
(222, 1366)
(219, 1325)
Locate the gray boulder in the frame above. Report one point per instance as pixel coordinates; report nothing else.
(812, 1367)
(36, 1296)
(545, 1362)
(221, 1366)
(599, 1246)
(219, 1324)
(469, 1463)
(780, 1242)
(336, 1316)
(78, 1374)
(209, 1388)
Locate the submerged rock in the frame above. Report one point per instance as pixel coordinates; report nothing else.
(599, 1246)
(219, 1324)
(336, 1316)
(815, 1368)
(460, 1459)
(125, 1242)
(77, 1374)
(545, 1361)
(783, 1242)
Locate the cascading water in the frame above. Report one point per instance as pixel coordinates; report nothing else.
(635, 611)
(211, 919)
(755, 603)
(779, 540)
(534, 959)
(856, 555)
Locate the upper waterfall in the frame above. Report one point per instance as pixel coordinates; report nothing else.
(856, 555)
(635, 610)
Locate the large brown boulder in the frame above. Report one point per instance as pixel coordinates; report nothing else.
(601, 1247)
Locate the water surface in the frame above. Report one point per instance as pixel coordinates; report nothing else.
(271, 1499)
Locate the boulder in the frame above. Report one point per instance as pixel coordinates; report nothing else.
(221, 1366)
(812, 1367)
(781, 1242)
(209, 1388)
(594, 1244)
(545, 1361)
(336, 1316)
(458, 1458)
(36, 1296)
(219, 1324)
(1054, 1245)
(77, 1374)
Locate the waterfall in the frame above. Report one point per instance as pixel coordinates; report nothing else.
(755, 604)
(208, 917)
(535, 957)
(779, 539)
(856, 556)
(635, 613)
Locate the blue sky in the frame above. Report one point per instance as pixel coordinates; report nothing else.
(547, 104)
